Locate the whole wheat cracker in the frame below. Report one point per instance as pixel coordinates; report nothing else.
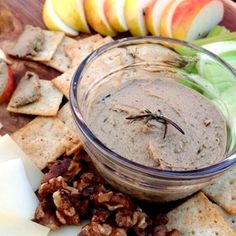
(150, 53)
(82, 44)
(45, 139)
(60, 61)
(230, 219)
(27, 91)
(81, 49)
(107, 63)
(79, 57)
(102, 42)
(197, 216)
(52, 39)
(65, 115)
(47, 105)
(62, 82)
(223, 191)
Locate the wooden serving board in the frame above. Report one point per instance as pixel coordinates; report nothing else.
(14, 15)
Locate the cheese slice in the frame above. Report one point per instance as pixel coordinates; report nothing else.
(11, 225)
(9, 150)
(17, 196)
(66, 231)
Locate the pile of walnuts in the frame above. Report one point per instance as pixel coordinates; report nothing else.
(72, 191)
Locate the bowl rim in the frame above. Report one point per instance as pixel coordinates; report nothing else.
(115, 158)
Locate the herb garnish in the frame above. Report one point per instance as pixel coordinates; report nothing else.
(148, 115)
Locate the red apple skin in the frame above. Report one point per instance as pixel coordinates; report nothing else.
(164, 28)
(184, 15)
(9, 87)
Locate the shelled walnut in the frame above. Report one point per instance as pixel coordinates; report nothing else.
(72, 190)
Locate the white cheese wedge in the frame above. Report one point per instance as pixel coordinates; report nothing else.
(66, 231)
(17, 196)
(11, 225)
(9, 150)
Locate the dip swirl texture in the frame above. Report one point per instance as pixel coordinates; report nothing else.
(202, 144)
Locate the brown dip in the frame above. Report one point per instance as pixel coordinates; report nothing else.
(29, 43)
(204, 141)
(3, 75)
(27, 91)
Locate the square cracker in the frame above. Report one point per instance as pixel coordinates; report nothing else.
(60, 61)
(45, 139)
(78, 51)
(223, 191)
(62, 82)
(47, 105)
(78, 58)
(65, 115)
(102, 42)
(82, 45)
(230, 219)
(197, 216)
(110, 61)
(52, 41)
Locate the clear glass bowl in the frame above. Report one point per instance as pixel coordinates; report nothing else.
(142, 182)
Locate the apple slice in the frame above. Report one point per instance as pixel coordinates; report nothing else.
(6, 82)
(115, 13)
(72, 13)
(193, 19)
(134, 15)
(153, 15)
(167, 17)
(53, 22)
(95, 14)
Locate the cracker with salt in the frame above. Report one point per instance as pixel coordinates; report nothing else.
(52, 39)
(223, 191)
(197, 216)
(230, 219)
(45, 139)
(60, 61)
(47, 105)
(78, 51)
(62, 82)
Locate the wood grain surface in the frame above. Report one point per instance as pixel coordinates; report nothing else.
(14, 15)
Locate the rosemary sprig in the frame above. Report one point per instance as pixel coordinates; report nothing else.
(158, 117)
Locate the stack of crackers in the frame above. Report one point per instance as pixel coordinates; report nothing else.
(53, 133)
(200, 216)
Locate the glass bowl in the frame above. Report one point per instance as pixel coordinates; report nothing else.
(107, 68)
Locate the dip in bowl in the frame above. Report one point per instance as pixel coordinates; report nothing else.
(153, 126)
